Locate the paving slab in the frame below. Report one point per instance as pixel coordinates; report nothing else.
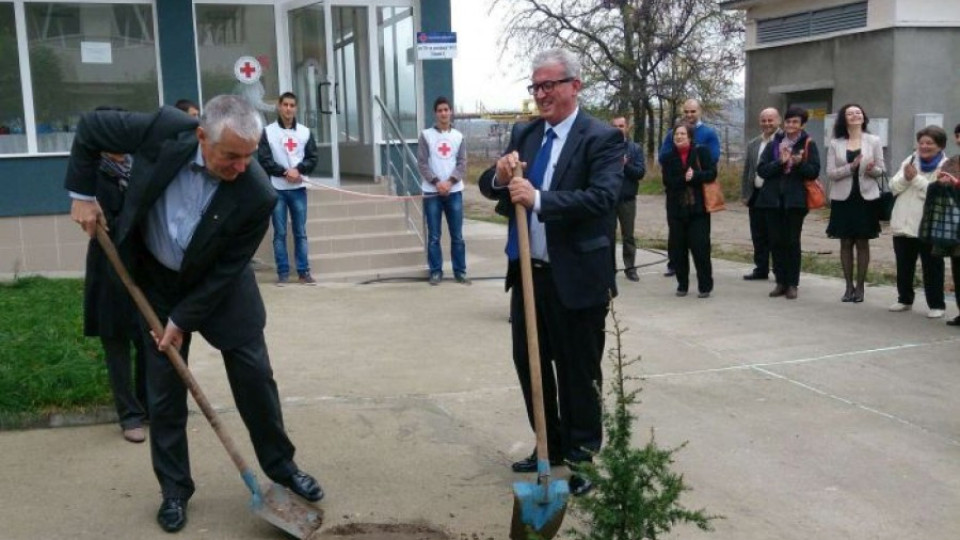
(804, 419)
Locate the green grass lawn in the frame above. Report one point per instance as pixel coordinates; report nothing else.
(46, 364)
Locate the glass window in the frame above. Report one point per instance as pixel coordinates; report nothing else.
(397, 67)
(12, 137)
(225, 34)
(86, 55)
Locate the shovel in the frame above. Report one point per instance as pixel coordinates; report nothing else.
(273, 504)
(537, 508)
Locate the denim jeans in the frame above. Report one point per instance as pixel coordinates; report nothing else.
(452, 207)
(296, 201)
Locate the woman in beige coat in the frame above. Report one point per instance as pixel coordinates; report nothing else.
(910, 187)
(854, 166)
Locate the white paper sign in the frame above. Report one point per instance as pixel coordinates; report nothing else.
(96, 52)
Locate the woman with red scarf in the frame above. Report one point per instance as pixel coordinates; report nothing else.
(787, 162)
(685, 169)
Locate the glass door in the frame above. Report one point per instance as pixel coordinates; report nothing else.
(311, 56)
(353, 98)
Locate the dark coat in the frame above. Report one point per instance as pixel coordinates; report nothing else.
(578, 210)
(633, 171)
(685, 199)
(781, 189)
(215, 291)
(107, 308)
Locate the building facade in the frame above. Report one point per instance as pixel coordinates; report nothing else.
(896, 58)
(349, 61)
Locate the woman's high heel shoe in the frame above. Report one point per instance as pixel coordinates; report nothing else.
(848, 296)
(858, 296)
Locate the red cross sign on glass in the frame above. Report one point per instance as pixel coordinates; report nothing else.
(247, 70)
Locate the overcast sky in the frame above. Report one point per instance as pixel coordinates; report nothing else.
(478, 74)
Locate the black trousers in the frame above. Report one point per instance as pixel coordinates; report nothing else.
(256, 397)
(127, 379)
(955, 270)
(760, 238)
(784, 226)
(691, 236)
(571, 345)
(907, 250)
(627, 216)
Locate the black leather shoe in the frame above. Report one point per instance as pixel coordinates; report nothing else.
(670, 272)
(579, 485)
(304, 485)
(632, 275)
(954, 321)
(529, 463)
(756, 276)
(172, 515)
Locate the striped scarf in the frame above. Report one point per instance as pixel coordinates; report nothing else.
(118, 171)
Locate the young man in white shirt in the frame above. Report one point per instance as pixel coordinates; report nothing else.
(288, 153)
(442, 160)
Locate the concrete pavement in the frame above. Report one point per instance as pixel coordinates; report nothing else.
(805, 419)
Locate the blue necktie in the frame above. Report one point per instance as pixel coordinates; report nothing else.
(537, 171)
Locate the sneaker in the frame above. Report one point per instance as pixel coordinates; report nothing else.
(282, 280)
(435, 278)
(632, 275)
(681, 292)
(306, 279)
(898, 307)
(935, 313)
(135, 435)
(462, 279)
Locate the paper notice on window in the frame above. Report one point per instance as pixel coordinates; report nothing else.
(96, 52)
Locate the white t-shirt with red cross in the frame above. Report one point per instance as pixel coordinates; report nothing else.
(288, 147)
(444, 146)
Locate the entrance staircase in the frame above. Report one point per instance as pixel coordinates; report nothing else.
(355, 235)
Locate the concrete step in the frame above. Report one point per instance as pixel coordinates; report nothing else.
(355, 208)
(342, 226)
(364, 242)
(324, 264)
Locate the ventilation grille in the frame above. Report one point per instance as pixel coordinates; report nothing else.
(811, 23)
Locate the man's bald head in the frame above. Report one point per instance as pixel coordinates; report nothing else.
(691, 111)
(769, 121)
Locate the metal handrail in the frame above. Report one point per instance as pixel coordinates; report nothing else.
(408, 178)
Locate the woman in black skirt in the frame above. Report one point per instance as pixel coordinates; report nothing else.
(854, 167)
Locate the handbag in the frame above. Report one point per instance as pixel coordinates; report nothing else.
(887, 199)
(713, 197)
(816, 196)
(940, 225)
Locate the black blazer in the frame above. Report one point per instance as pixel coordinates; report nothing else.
(785, 190)
(215, 291)
(675, 183)
(579, 209)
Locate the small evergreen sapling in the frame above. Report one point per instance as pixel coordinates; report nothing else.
(636, 495)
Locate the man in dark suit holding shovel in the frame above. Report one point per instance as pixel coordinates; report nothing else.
(196, 209)
(575, 168)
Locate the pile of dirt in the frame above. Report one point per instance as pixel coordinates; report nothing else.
(381, 531)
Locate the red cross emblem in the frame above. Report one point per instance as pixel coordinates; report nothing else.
(290, 144)
(444, 149)
(248, 70)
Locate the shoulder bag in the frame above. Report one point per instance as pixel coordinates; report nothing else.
(816, 196)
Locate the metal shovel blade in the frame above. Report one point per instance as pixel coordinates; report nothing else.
(538, 509)
(288, 512)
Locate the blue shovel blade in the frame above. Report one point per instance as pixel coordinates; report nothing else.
(537, 507)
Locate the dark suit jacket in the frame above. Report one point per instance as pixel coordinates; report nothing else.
(781, 189)
(750, 161)
(675, 182)
(633, 171)
(578, 210)
(215, 291)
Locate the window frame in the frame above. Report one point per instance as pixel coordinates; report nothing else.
(26, 75)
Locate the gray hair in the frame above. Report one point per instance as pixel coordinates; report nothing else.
(234, 113)
(563, 57)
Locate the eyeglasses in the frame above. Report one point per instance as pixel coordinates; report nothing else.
(546, 86)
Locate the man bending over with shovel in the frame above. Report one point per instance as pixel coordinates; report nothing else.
(573, 165)
(196, 209)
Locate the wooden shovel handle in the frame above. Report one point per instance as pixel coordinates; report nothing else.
(172, 353)
(530, 318)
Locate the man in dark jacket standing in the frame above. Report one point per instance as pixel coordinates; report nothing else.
(574, 168)
(196, 209)
(633, 170)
